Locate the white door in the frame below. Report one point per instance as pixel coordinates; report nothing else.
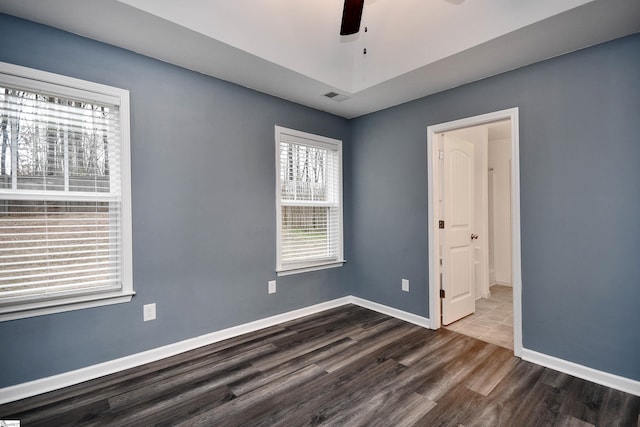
(457, 245)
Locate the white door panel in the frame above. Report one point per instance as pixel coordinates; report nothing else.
(458, 252)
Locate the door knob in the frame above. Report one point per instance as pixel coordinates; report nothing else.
(474, 236)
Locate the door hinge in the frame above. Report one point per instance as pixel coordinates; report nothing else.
(442, 293)
(441, 224)
(440, 154)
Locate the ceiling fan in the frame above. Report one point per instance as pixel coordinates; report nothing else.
(352, 14)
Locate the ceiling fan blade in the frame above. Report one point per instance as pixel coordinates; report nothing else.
(351, 15)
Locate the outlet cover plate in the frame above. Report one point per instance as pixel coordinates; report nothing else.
(405, 285)
(149, 312)
(272, 286)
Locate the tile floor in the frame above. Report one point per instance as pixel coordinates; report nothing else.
(493, 320)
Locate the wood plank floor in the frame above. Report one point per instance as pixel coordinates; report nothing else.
(344, 367)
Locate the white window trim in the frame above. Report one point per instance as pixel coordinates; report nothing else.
(302, 267)
(99, 92)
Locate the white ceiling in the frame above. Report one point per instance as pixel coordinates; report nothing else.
(292, 48)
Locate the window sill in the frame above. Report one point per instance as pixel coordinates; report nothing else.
(40, 308)
(306, 268)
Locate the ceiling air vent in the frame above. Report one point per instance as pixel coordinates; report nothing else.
(338, 97)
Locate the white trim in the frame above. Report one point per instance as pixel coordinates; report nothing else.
(283, 134)
(44, 385)
(126, 221)
(34, 79)
(108, 94)
(390, 311)
(40, 308)
(599, 377)
(296, 270)
(432, 183)
(55, 382)
(516, 254)
(508, 284)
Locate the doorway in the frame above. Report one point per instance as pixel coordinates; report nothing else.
(472, 264)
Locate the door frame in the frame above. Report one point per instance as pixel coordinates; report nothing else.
(433, 185)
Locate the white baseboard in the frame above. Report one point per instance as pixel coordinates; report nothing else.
(599, 377)
(55, 382)
(496, 282)
(390, 311)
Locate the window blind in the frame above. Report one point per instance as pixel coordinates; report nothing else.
(47, 247)
(309, 202)
(60, 194)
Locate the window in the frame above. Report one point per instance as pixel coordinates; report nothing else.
(65, 217)
(308, 201)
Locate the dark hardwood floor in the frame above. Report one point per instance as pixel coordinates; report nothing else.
(347, 367)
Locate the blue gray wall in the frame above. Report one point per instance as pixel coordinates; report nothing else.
(580, 200)
(204, 209)
(203, 195)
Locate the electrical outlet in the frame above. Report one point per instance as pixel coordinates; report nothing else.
(149, 312)
(272, 286)
(405, 285)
